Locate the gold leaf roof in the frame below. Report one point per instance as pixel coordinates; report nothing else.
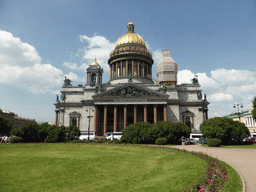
(130, 37)
(95, 62)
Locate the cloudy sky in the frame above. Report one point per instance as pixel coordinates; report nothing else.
(42, 41)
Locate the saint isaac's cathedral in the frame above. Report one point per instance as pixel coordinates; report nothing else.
(131, 95)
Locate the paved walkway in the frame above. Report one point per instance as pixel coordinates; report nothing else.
(241, 159)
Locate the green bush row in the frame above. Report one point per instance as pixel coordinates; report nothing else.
(146, 133)
(225, 129)
(16, 140)
(214, 142)
(161, 141)
(33, 132)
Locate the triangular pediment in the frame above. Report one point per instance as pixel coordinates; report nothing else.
(131, 90)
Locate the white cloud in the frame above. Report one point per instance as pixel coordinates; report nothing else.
(98, 47)
(157, 55)
(72, 76)
(224, 88)
(217, 97)
(14, 52)
(185, 76)
(21, 66)
(70, 65)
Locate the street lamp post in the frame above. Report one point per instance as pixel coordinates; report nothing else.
(89, 117)
(238, 106)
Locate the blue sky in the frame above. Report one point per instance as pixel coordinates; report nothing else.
(42, 41)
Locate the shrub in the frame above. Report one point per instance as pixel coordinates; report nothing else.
(72, 132)
(214, 142)
(172, 131)
(117, 141)
(28, 132)
(16, 140)
(133, 133)
(225, 129)
(5, 126)
(161, 141)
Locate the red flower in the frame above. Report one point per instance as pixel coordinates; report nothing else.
(202, 189)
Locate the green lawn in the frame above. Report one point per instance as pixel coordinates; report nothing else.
(253, 146)
(89, 167)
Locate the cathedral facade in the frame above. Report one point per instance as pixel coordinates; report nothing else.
(131, 95)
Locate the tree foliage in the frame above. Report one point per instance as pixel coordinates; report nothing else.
(32, 132)
(5, 126)
(254, 108)
(225, 129)
(72, 132)
(144, 132)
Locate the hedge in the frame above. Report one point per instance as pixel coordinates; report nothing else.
(161, 141)
(214, 142)
(16, 140)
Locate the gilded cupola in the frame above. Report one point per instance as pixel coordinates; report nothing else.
(130, 58)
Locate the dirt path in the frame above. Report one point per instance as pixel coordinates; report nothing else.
(243, 160)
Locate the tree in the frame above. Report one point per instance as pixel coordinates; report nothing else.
(43, 131)
(28, 132)
(5, 126)
(172, 131)
(225, 129)
(55, 134)
(72, 132)
(254, 108)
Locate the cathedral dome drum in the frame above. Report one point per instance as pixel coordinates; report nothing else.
(130, 58)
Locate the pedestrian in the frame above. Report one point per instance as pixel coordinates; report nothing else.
(2, 139)
(5, 139)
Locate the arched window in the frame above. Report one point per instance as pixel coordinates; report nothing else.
(93, 78)
(74, 121)
(187, 121)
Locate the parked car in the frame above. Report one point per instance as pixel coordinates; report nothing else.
(84, 135)
(116, 135)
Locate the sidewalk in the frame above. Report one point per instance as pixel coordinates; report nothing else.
(241, 159)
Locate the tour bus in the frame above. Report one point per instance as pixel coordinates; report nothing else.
(116, 135)
(84, 135)
(196, 137)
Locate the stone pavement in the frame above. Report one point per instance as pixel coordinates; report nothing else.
(243, 160)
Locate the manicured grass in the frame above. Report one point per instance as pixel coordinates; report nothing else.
(253, 146)
(235, 183)
(89, 167)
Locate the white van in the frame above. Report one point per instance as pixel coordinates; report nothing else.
(116, 135)
(84, 135)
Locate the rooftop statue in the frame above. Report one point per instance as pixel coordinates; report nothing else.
(195, 81)
(57, 100)
(63, 96)
(96, 89)
(67, 82)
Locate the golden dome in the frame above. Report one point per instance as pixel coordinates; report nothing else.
(95, 62)
(130, 37)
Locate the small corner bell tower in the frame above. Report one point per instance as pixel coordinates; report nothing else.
(94, 74)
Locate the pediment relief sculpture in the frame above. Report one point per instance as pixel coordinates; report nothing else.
(131, 91)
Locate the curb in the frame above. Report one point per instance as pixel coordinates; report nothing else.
(244, 186)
